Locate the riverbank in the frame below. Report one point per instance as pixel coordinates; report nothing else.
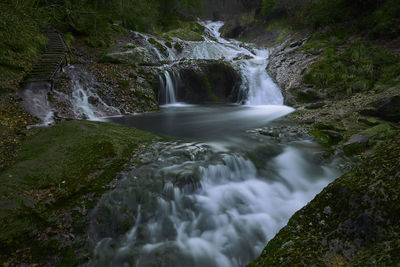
(352, 221)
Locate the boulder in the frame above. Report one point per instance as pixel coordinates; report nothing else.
(386, 108)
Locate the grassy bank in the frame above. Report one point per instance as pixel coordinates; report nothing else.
(55, 180)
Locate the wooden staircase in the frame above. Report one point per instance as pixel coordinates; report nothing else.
(55, 57)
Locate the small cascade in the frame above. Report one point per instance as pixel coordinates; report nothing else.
(86, 103)
(261, 89)
(169, 84)
(35, 101)
(80, 101)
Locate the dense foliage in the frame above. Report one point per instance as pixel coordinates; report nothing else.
(379, 17)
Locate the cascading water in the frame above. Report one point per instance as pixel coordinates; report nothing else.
(203, 207)
(169, 87)
(84, 100)
(36, 102)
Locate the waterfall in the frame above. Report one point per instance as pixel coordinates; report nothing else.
(257, 87)
(169, 87)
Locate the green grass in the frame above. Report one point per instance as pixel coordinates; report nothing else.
(54, 173)
(359, 67)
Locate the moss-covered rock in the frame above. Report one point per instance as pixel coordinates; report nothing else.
(185, 34)
(137, 55)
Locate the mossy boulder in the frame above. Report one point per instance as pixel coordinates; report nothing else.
(136, 55)
(185, 34)
(326, 134)
(383, 128)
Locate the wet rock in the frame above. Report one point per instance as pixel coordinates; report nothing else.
(315, 105)
(385, 108)
(296, 43)
(356, 144)
(233, 31)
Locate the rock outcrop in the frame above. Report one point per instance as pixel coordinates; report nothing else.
(208, 81)
(287, 64)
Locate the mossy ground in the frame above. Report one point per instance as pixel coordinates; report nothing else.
(57, 176)
(13, 127)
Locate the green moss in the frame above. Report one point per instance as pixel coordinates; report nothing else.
(53, 174)
(185, 34)
(378, 129)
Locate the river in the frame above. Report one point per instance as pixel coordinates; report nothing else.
(217, 196)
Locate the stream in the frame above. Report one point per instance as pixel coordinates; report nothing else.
(217, 196)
